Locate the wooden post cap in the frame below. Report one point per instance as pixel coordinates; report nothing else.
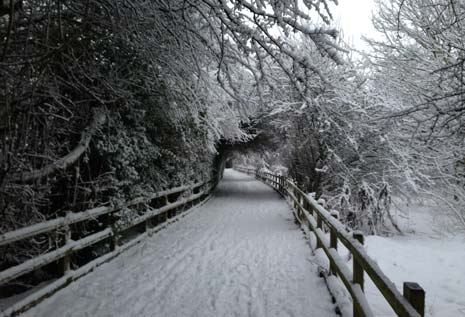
(358, 235)
(415, 295)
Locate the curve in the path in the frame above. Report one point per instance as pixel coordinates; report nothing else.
(238, 255)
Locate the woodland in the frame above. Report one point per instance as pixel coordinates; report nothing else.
(102, 101)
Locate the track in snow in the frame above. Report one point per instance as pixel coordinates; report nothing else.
(238, 255)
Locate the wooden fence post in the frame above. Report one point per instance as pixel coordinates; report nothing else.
(149, 225)
(333, 244)
(415, 295)
(319, 224)
(165, 214)
(310, 209)
(114, 227)
(67, 258)
(295, 196)
(358, 271)
(300, 206)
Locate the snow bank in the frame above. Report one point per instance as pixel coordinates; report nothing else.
(429, 255)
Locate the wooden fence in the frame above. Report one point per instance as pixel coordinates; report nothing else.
(311, 214)
(113, 232)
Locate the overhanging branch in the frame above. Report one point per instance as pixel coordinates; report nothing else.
(62, 163)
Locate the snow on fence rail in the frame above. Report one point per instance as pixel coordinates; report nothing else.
(316, 218)
(198, 192)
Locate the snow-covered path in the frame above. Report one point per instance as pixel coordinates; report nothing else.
(240, 254)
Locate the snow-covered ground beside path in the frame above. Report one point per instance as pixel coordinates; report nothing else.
(428, 254)
(240, 254)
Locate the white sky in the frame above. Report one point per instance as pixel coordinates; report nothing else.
(354, 17)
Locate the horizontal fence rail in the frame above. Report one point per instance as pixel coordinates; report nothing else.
(151, 217)
(311, 214)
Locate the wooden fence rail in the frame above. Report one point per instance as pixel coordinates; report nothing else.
(151, 217)
(311, 214)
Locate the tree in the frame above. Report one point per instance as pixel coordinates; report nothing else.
(418, 70)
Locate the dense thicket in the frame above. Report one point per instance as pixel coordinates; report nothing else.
(81, 89)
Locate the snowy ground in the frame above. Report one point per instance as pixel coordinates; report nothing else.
(239, 255)
(429, 254)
